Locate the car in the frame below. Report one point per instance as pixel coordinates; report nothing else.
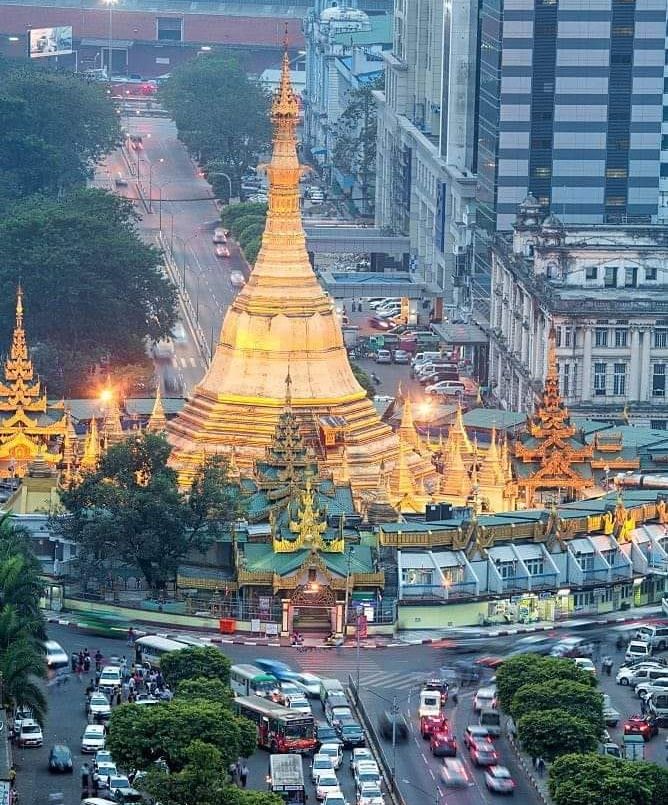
(365, 765)
(659, 685)
(237, 279)
(351, 734)
(383, 356)
(22, 713)
(374, 304)
(299, 704)
(445, 388)
(573, 647)
(327, 783)
(309, 684)
(118, 785)
(367, 774)
(443, 744)
(320, 764)
(221, 250)
(377, 323)
(106, 770)
(370, 794)
(30, 734)
(219, 235)
(638, 650)
(110, 678)
(103, 756)
(454, 774)
(485, 698)
(358, 755)
(647, 726)
(98, 706)
(334, 751)
(388, 312)
(401, 356)
(287, 690)
(585, 663)
(335, 798)
(610, 715)
(483, 753)
(93, 739)
(626, 673)
(499, 781)
(56, 657)
(338, 714)
(393, 726)
(120, 180)
(474, 732)
(60, 759)
(324, 733)
(431, 724)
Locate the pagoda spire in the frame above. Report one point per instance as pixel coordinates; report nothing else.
(457, 435)
(112, 429)
(491, 470)
(408, 435)
(157, 422)
(91, 454)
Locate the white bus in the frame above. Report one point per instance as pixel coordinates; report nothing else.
(149, 649)
(247, 680)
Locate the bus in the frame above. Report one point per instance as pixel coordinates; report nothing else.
(279, 729)
(246, 680)
(286, 778)
(149, 649)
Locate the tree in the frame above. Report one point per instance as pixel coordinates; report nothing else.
(195, 663)
(93, 289)
(53, 128)
(526, 669)
(549, 733)
(131, 509)
(231, 214)
(578, 700)
(138, 736)
(364, 380)
(235, 129)
(354, 149)
(591, 779)
(212, 689)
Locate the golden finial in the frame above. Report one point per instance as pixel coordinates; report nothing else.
(157, 421)
(288, 389)
(285, 102)
(19, 306)
(552, 373)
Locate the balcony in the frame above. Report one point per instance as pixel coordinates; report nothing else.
(544, 581)
(593, 576)
(515, 584)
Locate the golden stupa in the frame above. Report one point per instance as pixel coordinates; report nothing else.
(282, 324)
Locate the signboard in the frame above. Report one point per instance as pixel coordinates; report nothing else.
(255, 625)
(271, 629)
(362, 627)
(50, 41)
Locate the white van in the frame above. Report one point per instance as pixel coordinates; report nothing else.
(654, 634)
(490, 719)
(55, 655)
(485, 699)
(638, 650)
(430, 703)
(328, 687)
(110, 678)
(424, 357)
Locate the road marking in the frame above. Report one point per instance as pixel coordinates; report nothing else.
(193, 362)
(433, 776)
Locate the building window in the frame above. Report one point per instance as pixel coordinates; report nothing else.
(650, 274)
(621, 337)
(619, 380)
(507, 570)
(616, 173)
(610, 280)
(599, 379)
(659, 380)
(601, 337)
(568, 336)
(566, 379)
(631, 277)
(591, 272)
(660, 338)
(169, 29)
(535, 566)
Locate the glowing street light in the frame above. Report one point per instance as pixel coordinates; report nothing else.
(111, 4)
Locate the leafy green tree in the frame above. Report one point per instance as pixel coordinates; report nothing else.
(526, 669)
(364, 380)
(591, 779)
(549, 733)
(578, 700)
(195, 663)
(252, 249)
(131, 509)
(200, 688)
(230, 215)
(138, 736)
(93, 289)
(53, 128)
(235, 128)
(354, 149)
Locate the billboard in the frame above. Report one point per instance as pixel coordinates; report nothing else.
(50, 41)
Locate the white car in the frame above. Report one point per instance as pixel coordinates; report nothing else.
(334, 751)
(55, 655)
(110, 678)
(659, 685)
(327, 784)
(370, 794)
(626, 673)
(359, 754)
(374, 304)
(237, 279)
(118, 785)
(365, 765)
(299, 703)
(93, 739)
(484, 699)
(30, 733)
(335, 798)
(98, 706)
(106, 769)
(309, 684)
(103, 756)
(367, 776)
(388, 312)
(321, 763)
(585, 663)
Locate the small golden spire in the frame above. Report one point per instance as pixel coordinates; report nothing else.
(91, 453)
(288, 390)
(157, 422)
(285, 102)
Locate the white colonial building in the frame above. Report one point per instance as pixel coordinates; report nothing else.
(604, 291)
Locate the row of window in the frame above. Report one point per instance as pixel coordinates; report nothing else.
(617, 337)
(612, 273)
(609, 379)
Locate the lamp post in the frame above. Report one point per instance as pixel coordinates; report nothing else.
(151, 165)
(349, 557)
(184, 244)
(111, 4)
(160, 187)
(229, 181)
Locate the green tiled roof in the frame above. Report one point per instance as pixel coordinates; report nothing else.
(488, 418)
(633, 436)
(261, 558)
(380, 33)
(361, 562)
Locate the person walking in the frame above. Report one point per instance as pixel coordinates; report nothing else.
(540, 766)
(243, 776)
(85, 778)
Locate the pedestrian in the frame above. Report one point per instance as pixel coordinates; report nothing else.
(131, 636)
(98, 660)
(12, 776)
(86, 663)
(233, 773)
(244, 775)
(85, 778)
(96, 783)
(240, 763)
(534, 762)
(80, 669)
(540, 766)
(119, 696)
(607, 665)
(643, 706)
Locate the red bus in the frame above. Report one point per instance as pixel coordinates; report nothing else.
(279, 729)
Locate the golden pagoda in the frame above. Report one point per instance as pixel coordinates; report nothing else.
(282, 322)
(553, 459)
(28, 423)
(157, 422)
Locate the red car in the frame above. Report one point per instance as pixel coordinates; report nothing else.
(443, 744)
(647, 726)
(483, 753)
(379, 324)
(431, 724)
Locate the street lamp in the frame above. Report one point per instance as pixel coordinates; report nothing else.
(184, 244)
(351, 553)
(166, 184)
(151, 165)
(220, 173)
(111, 4)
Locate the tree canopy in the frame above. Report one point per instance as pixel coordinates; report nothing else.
(578, 700)
(230, 132)
(73, 256)
(53, 127)
(549, 733)
(590, 779)
(131, 509)
(246, 222)
(526, 669)
(202, 688)
(195, 665)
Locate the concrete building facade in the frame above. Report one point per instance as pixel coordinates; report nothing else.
(603, 289)
(425, 185)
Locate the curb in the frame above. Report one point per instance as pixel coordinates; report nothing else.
(525, 766)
